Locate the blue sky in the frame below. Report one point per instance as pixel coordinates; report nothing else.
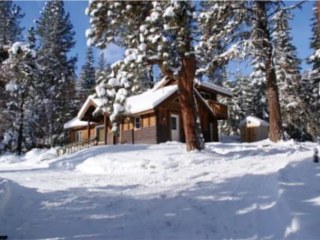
(301, 28)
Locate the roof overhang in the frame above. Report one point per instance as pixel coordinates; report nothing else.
(87, 110)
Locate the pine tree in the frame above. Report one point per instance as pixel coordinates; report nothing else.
(259, 103)
(240, 105)
(159, 33)
(262, 52)
(10, 32)
(213, 25)
(102, 63)
(294, 110)
(56, 37)
(10, 16)
(312, 81)
(21, 70)
(87, 76)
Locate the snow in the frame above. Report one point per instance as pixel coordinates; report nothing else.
(134, 104)
(149, 100)
(254, 120)
(169, 12)
(34, 159)
(75, 122)
(89, 33)
(90, 100)
(229, 191)
(214, 87)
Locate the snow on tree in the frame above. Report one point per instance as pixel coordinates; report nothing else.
(56, 38)
(240, 105)
(294, 110)
(261, 49)
(312, 81)
(161, 33)
(114, 85)
(258, 88)
(219, 23)
(20, 70)
(10, 32)
(10, 16)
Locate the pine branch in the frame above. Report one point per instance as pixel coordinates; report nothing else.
(289, 8)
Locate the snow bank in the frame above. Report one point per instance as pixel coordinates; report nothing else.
(231, 190)
(4, 195)
(36, 158)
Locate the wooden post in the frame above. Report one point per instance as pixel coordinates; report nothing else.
(88, 128)
(105, 129)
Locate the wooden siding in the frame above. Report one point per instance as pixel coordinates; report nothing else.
(127, 137)
(146, 135)
(253, 133)
(84, 133)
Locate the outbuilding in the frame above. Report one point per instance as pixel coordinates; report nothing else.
(253, 129)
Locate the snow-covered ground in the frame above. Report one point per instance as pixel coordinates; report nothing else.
(229, 191)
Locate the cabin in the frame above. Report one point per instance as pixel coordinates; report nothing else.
(253, 129)
(151, 117)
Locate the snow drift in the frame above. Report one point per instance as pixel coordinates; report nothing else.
(230, 191)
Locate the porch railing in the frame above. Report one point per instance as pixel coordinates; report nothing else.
(75, 147)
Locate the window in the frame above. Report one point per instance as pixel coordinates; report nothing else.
(79, 136)
(137, 124)
(173, 123)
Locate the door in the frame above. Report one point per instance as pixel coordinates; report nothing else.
(100, 134)
(175, 127)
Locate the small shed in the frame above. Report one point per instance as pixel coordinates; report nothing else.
(253, 129)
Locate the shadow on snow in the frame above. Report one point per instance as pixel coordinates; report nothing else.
(251, 206)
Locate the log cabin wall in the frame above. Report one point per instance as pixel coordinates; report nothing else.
(84, 133)
(146, 133)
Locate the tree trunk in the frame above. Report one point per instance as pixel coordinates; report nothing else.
(187, 104)
(275, 122)
(20, 130)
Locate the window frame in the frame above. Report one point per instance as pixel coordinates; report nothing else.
(137, 121)
(79, 136)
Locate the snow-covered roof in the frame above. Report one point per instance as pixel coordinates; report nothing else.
(75, 122)
(160, 83)
(149, 100)
(209, 85)
(87, 103)
(255, 120)
(213, 87)
(135, 104)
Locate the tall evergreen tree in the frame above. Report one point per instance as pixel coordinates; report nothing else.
(102, 65)
(10, 16)
(87, 75)
(241, 105)
(56, 37)
(259, 103)
(312, 83)
(294, 110)
(21, 69)
(10, 32)
(262, 52)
